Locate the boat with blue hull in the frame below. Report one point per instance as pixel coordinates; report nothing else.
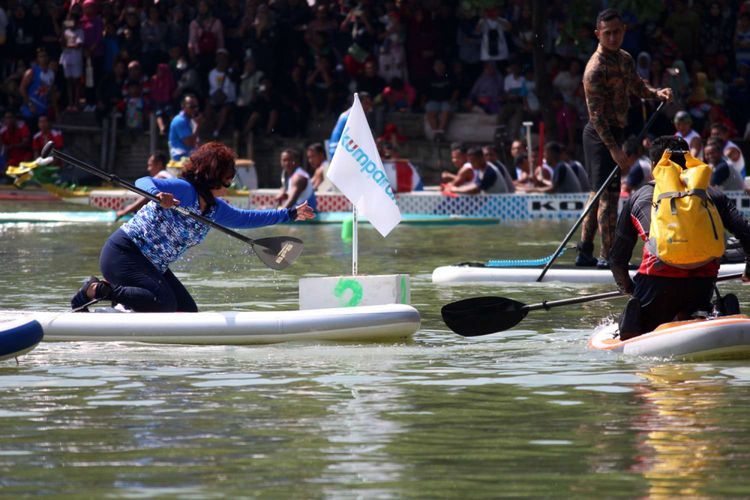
(18, 337)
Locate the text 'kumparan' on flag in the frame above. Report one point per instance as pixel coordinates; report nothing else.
(356, 169)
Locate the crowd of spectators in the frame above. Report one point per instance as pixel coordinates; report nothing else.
(273, 66)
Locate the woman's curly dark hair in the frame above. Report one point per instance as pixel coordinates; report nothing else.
(209, 165)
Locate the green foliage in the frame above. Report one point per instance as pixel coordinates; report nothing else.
(582, 13)
(579, 14)
(644, 10)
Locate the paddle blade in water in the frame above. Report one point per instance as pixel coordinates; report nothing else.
(278, 252)
(483, 315)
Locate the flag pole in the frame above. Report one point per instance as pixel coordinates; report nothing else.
(355, 232)
(355, 242)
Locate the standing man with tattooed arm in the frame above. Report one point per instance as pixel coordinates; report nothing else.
(609, 80)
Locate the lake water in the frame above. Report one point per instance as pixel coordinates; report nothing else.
(526, 412)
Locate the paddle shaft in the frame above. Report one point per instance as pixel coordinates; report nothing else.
(547, 305)
(596, 197)
(600, 296)
(127, 185)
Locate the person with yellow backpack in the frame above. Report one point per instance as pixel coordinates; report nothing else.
(681, 221)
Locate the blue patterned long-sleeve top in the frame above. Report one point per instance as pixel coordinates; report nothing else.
(163, 235)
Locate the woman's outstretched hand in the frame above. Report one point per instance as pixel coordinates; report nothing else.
(304, 212)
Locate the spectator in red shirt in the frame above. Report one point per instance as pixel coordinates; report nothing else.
(46, 133)
(399, 95)
(15, 138)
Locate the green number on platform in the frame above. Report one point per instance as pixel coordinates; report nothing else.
(349, 284)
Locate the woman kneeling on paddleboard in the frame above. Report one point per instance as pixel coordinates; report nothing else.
(135, 259)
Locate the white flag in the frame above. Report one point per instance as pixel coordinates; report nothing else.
(357, 171)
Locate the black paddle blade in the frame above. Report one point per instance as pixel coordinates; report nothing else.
(278, 252)
(483, 315)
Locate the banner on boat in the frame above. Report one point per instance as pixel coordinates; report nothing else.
(357, 171)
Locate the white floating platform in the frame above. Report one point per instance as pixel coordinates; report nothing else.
(59, 216)
(353, 324)
(354, 291)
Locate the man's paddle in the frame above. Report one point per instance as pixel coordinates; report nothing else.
(484, 315)
(596, 197)
(277, 252)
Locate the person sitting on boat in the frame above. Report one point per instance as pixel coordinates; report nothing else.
(490, 155)
(45, 134)
(724, 176)
(543, 173)
(464, 173)
(731, 151)
(564, 178)
(525, 171)
(577, 168)
(156, 166)
(296, 185)
(683, 124)
(15, 138)
(517, 148)
(318, 164)
(135, 259)
(660, 292)
(488, 180)
(640, 167)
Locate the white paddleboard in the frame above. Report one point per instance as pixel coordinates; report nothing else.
(726, 337)
(461, 275)
(366, 323)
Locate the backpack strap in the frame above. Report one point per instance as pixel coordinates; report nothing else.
(674, 195)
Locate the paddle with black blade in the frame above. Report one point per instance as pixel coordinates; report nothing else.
(484, 315)
(277, 252)
(596, 197)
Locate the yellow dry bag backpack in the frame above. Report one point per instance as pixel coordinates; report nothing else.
(686, 229)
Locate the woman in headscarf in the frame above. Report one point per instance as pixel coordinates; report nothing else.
(676, 77)
(643, 65)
